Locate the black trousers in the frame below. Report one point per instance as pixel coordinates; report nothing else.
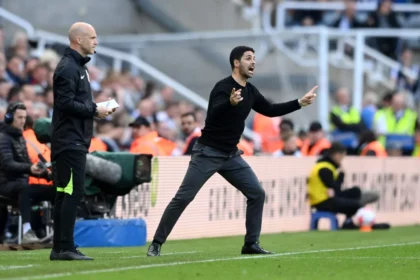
(205, 162)
(26, 195)
(69, 179)
(345, 202)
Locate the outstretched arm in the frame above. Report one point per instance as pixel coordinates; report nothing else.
(264, 107)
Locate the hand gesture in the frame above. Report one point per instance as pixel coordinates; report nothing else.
(308, 98)
(235, 97)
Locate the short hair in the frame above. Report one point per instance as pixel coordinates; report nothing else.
(367, 136)
(237, 53)
(287, 122)
(13, 106)
(189, 114)
(140, 121)
(389, 95)
(315, 127)
(14, 91)
(336, 148)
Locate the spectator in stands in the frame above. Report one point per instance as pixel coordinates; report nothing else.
(14, 70)
(16, 166)
(316, 144)
(146, 109)
(302, 135)
(396, 120)
(191, 130)
(325, 187)
(384, 17)
(15, 94)
(145, 138)
(369, 109)
(4, 90)
(401, 81)
(343, 116)
(308, 17)
(170, 115)
(290, 147)
(39, 76)
(370, 146)
(348, 19)
(286, 127)
(387, 100)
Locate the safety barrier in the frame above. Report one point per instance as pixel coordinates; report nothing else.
(219, 209)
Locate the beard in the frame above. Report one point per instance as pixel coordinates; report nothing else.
(244, 72)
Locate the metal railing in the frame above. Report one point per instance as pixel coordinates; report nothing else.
(356, 38)
(282, 8)
(118, 57)
(24, 24)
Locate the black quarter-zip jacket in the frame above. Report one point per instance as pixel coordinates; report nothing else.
(225, 123)
(74, 109)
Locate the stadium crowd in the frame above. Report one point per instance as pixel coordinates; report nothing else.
(152, 120)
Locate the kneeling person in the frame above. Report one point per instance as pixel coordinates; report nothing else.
(324, 187)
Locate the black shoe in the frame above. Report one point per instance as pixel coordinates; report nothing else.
(350, 225)
(254, 249)
(55, 255)
(154, 250)
(74, 255)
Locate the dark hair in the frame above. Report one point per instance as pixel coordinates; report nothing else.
(315, 127)
(287, 122)
(29, 124)
(14, 91)
(388, 95)
(189, 114)
(140, 121)
(336, 148)
(12, 107)
(367, 136)
(237, 53)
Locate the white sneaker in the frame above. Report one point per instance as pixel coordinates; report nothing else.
(30, 237)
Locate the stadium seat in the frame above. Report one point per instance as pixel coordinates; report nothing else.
(317, 215)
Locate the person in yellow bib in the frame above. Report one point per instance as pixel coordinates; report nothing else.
(325, 187)
(343, 116)
(397, 119)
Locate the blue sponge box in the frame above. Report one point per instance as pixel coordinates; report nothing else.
(110, 233)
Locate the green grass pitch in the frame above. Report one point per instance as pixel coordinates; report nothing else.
(387, 254)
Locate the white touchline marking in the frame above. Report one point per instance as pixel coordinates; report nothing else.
(167, 254)
(138, 267)
(5, 267)
(356, 258)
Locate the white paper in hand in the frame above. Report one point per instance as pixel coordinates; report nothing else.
(110, 104)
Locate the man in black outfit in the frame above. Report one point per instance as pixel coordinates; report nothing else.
(72, 131)
(231, 100)
(15, 168)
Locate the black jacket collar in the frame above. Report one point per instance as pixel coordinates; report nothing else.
(10, 130)
(329, 160)
(77, 56)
